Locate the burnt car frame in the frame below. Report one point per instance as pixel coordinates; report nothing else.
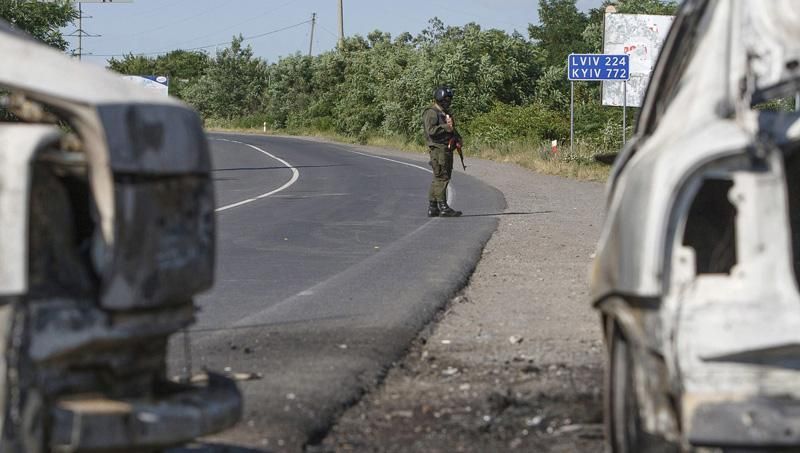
(107, 232)
(697, 268)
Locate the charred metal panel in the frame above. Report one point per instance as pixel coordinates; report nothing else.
(59, 261)
(98, 425)
(107, 234)
(150, 139)
(67, 327)
(761, 422)
(164, 253)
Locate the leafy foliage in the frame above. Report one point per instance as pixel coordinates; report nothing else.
(509, 88)
(180, 66)
(43, 20)
(561, 30)
(231, 84)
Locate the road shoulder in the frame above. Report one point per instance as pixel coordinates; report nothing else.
(515, 361)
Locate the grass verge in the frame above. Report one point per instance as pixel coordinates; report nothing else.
(577, 164)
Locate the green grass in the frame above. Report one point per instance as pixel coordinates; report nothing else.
(577, 164)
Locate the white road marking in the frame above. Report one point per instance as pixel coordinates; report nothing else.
(295, 176)
(451, 192)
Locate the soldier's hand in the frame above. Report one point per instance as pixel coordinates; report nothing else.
(449, 120)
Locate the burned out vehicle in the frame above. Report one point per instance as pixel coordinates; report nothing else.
(697, 269)
(107, 232)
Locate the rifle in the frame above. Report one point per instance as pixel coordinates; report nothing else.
(454, 142)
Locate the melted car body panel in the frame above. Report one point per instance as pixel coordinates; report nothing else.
(699, 260)
(108, 232)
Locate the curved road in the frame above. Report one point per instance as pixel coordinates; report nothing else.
(327, 268)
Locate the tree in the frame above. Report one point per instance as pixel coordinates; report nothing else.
(133, 65)
(43, 20)
(182, 67)
(560, 31)
(232, 85)
(647, 7)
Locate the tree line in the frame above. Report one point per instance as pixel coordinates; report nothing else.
(509, 87)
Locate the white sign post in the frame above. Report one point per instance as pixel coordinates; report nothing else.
(594, 67)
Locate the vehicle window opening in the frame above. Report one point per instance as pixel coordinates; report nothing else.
(711, 228)
(793, 189)
(61, 231)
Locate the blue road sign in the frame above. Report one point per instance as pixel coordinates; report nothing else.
(592, 66)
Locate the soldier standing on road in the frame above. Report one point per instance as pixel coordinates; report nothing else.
(440, 133)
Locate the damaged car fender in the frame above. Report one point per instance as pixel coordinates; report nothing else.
(697, 268)
(107, 233)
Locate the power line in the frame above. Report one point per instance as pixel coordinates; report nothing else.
(327, 30)
(183, 20)
(269, 11)
(246, 38)
(159, 10)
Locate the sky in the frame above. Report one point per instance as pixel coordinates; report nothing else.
(278, 27)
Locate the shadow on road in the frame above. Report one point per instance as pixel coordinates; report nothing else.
(214, 448)
(500, 214)
(276, 168)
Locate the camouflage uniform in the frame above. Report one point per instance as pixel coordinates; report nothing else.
(437, 137)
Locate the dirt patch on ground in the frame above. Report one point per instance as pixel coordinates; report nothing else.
(516, 361)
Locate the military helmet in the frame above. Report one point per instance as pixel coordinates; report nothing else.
(442, 93)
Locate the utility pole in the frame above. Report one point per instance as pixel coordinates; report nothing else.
(313, 23)
(80, 32)
(341, 25)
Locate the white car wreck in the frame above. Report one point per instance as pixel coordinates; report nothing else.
(697, 269)
(107, 232)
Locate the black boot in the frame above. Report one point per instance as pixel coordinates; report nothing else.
(447, 211)
(433, 209)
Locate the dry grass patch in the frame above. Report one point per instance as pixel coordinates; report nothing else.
(577, 164)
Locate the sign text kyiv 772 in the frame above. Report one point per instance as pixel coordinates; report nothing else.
(588, 66)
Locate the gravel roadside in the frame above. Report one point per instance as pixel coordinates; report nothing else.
(516, 360)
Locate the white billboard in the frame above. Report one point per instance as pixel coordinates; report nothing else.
(640, 36)
(159, 84)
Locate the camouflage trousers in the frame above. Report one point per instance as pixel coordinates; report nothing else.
(442, 165)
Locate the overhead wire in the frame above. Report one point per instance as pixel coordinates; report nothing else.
(325, 29)
(270, 11)
(245, 38)
(183, 20)
(156, 10)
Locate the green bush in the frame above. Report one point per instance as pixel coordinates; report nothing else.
(504, 123)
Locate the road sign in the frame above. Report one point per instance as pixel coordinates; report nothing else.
(640, 36)
(598, 67)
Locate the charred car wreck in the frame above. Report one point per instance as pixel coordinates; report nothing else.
(107, 233)
(696, 273)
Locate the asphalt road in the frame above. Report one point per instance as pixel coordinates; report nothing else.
(327, 268)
